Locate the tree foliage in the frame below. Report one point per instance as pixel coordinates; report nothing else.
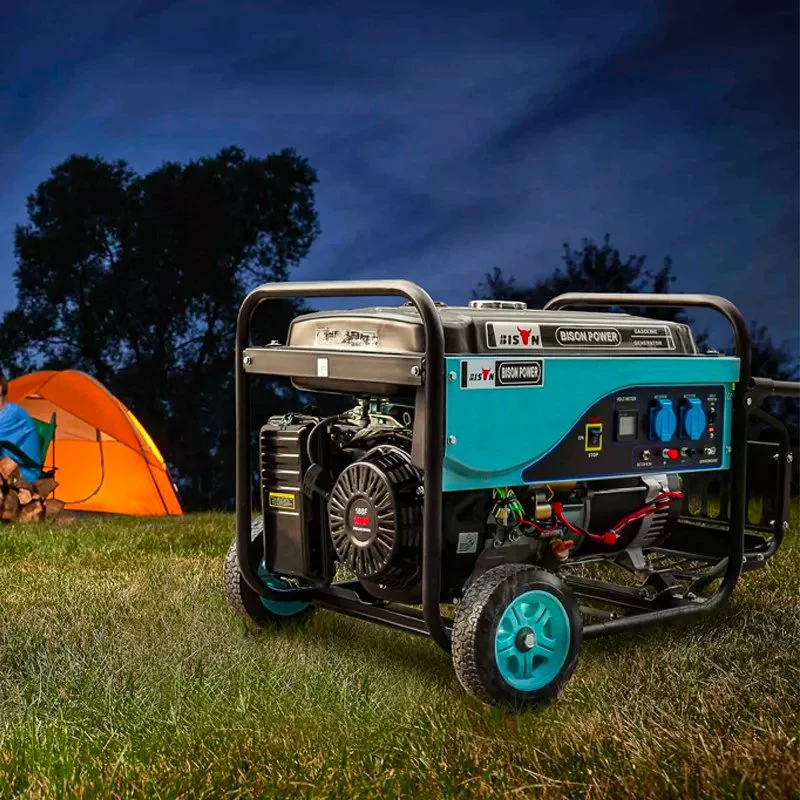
(601, 268)
(137, 279)
(591, 268)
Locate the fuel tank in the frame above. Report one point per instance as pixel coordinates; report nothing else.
(485, 328)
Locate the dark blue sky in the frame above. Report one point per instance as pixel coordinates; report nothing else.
(449, 136)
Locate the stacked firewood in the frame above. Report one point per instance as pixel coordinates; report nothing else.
(21, 501)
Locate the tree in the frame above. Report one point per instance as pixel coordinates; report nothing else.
(137, 279)
(600, 268)
(592, 268)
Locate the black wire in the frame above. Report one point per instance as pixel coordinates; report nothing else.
(313, 433)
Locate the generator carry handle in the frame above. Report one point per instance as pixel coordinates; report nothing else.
(742, 400)
(763, 387)
(433, 386)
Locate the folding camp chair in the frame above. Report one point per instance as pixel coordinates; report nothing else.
(47, 434)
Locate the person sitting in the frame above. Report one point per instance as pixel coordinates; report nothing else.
(17, 429)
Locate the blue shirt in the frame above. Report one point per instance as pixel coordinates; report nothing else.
(17, 427)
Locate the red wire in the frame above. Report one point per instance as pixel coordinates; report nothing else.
(658, 503)
(539, 528)
(558, 511)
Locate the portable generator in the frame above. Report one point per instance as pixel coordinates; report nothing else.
(506, 481)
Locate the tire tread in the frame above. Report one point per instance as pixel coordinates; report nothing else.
(241, 597)
(470, 636)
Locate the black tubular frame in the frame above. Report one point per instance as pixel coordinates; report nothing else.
(347, 598)
(738, 462)
(433, 447)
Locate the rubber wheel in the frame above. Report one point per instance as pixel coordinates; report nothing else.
(516, 636)
(244, 600)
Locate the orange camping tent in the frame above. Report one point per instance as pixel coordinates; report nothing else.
(105, 460)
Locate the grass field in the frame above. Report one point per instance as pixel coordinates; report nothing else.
(124, 674)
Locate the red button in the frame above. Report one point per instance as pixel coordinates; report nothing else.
(673, 453)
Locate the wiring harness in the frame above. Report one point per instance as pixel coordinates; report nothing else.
(611, 536)
(508, 506)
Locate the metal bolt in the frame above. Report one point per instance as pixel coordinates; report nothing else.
(415, 371)
(451, 440)
(786, 525)
(789, 458)
(529, 641)
(748, 401)
(247, 361)
(451, 376)
(760, 557)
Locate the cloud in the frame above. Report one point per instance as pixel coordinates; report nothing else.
(452, 139)
(688, 57)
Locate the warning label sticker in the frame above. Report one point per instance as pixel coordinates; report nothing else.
(283, 501)
(467, 542)
(487, 373)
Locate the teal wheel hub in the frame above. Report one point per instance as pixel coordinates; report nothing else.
(532, 640)
(286, 608)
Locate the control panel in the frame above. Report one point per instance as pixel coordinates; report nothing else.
(683, 426)
(646, 429)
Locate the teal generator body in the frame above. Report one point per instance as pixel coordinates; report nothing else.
(569, 419)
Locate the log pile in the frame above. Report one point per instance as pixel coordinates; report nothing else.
(21, 501)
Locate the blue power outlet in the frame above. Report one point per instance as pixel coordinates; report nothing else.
(693, 418)
(663, 421)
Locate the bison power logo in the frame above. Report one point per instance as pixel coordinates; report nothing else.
(519, 373)
(487, 373)
(476, 374)
(582, 336)
(512, 335)
(527, 336)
